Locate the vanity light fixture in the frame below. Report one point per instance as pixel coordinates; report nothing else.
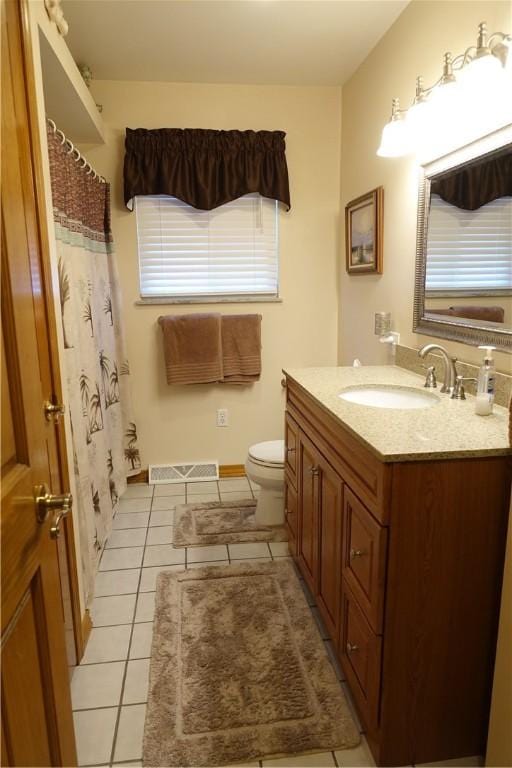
(395, 135)
(484, 62)
(418, 111)
(479, 67)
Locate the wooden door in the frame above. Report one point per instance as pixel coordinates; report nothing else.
(307, 548)
(330, 547)
(37, 725)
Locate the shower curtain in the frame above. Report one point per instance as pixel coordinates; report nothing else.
(104, 434)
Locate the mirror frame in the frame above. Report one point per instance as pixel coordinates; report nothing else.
(464, 330)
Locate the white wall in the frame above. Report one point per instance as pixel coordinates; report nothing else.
(178, 423)
(413, 46)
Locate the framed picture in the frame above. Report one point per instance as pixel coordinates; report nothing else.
(364, 232)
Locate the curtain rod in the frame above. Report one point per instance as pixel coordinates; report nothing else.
(73, 149)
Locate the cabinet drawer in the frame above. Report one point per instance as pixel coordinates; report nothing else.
(364, 558)
(360, 655)
(291, 440)
(290, 516)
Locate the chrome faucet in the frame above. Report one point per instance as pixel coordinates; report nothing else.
(450, 370)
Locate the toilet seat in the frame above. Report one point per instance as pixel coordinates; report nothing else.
(268, 454)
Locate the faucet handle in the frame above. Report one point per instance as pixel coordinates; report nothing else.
(431, 379)
(458, 390)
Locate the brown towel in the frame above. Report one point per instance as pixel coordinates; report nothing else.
(192, 348)
(241, 348)
(493, 314)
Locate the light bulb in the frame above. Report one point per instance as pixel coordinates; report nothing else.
(418, 119)
(481, 73)
(396, 136)
(444, 97)
(396, 139)
(508, 60)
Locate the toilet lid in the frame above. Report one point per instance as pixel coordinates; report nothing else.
(269, 452)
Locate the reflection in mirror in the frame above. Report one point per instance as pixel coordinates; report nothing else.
(464, 258)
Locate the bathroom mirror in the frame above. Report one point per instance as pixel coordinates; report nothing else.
(463, 281)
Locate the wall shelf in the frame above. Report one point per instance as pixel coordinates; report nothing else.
(68, 101)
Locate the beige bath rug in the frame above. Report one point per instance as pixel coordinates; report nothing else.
(221, 522)
(239, 671)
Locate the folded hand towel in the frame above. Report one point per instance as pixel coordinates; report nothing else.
(241, 348)
(492, 314)
(192, 348)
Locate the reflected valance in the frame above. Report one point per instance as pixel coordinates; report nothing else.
(205, 168)
(476, 184)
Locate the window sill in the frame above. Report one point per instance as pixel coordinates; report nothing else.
(212, 300)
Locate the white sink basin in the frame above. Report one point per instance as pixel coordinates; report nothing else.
(384, 396)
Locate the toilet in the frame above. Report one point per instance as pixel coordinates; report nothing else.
(265, 467)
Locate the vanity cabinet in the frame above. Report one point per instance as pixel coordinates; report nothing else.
(405, 561)
(308, 531)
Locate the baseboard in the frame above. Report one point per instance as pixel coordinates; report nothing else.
(86, 628)
(231, 470)
(225, 470)
(142, 477)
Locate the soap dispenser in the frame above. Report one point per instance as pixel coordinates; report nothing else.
(486, 384)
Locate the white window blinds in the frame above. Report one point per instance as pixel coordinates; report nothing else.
(469, 250)
(185, 252)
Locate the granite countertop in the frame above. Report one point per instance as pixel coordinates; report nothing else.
(448, 429)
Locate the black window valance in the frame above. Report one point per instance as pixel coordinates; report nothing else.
(476, 184)
(205, 168)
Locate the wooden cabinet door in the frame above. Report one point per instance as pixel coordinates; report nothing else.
(360, 653)
(37, 723)
(330, 547)
(291, 435)
(290, 516)
(307, 545)
(364, 558)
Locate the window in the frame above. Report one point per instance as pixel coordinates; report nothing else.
(469, 251)
(188, 253)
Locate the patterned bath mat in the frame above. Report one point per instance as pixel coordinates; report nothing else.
(221, 522)
(239, 671)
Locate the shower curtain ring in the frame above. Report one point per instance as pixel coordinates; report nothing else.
(59, 133)
(85, 162)
(52, 124)
(78, 155)
(71, 145)
(90, 169)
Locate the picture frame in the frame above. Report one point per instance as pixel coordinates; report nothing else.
(364, 229)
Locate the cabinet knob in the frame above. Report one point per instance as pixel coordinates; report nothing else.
(351, 648)
(356, 553)
(290, 450)
(313, 470)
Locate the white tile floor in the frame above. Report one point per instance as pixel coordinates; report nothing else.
(109, 688)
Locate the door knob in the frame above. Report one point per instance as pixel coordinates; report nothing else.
(356, 553)
(53, 411)
(46, 501)
(351, 648)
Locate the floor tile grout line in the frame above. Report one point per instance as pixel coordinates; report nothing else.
(118, 718)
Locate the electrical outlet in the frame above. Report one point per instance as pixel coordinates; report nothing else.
(222, 417)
